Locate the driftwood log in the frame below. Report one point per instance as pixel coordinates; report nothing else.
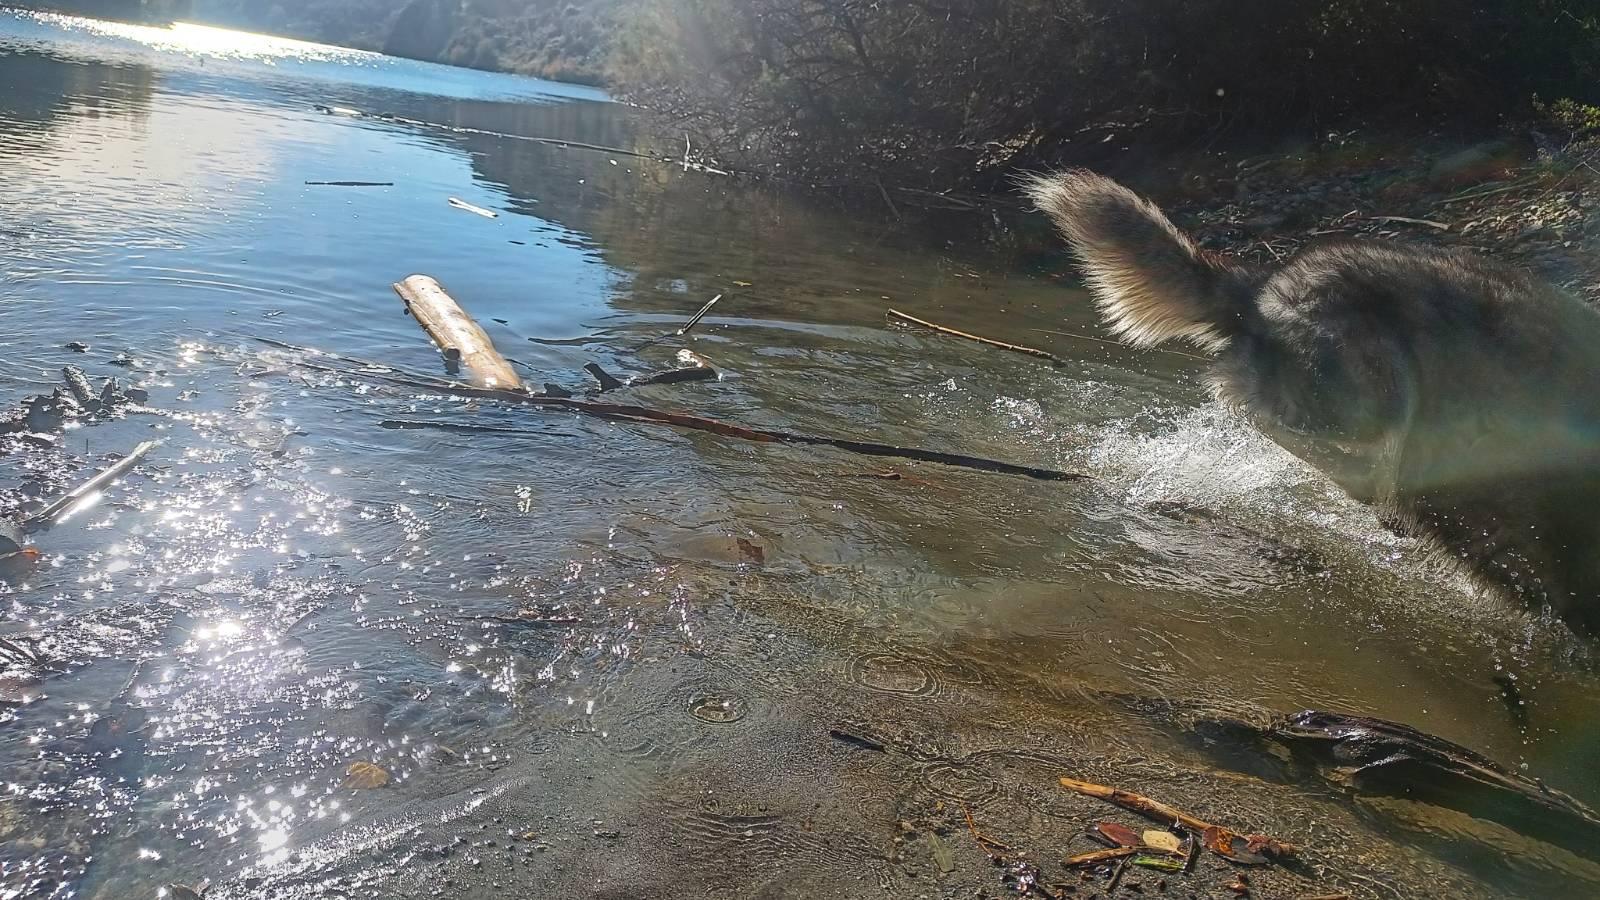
(698, 370)
(1363, 756)
(456, 333)
(82, 392)
(1373, 756)
(606, 380)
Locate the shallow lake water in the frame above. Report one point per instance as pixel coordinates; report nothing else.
(602, 659)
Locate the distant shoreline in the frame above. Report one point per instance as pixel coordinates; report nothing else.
(21, 12)
(149, 21)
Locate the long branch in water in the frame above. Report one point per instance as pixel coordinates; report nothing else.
(645, 415)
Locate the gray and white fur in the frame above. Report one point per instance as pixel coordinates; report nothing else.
(1458, 394)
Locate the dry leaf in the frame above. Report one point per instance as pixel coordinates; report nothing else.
(751, 551)
(1113, 834)
(1165, 841)
(364, 776)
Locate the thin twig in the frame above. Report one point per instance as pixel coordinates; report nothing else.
(957, 202)
(1095, 857)
(885, 194)
(1088, 337)
(462, 427)
(69, 502)
(1218, 839)
(1116, 877)
(695, 319)
(1429, 223)
(1478, 195)
(459, 203)
(1015, 348)
(983, 840)
(463, 129)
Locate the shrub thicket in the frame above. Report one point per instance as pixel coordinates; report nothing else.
(936, 90)
(561, 39)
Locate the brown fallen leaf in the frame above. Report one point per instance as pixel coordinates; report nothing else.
(751, 551)
(364, 776)
(1113, 835)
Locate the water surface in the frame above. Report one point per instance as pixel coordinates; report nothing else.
(286, 588)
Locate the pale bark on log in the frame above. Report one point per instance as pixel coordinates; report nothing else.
(453, 330)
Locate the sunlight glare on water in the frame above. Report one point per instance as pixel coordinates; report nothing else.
(205, 40)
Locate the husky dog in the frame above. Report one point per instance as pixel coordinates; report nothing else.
(1458, 395)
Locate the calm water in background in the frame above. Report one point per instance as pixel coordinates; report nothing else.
(287, 587)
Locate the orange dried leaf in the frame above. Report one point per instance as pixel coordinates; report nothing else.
(363, 776)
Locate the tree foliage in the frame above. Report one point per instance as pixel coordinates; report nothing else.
(933, 90)
(560, 39)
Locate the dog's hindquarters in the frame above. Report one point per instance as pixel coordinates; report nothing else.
(1151, 283)
(1452, 392)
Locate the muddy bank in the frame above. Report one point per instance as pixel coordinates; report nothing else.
(1528, 199)
(653, 797)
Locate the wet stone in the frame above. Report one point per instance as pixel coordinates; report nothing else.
(718, 710)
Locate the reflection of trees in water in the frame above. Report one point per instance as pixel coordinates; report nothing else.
(674, 232)
(44, 92)
(680, 236)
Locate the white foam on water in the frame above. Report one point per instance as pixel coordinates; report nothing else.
(1208, 458)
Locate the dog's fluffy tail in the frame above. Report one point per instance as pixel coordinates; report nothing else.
(1151, 283)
